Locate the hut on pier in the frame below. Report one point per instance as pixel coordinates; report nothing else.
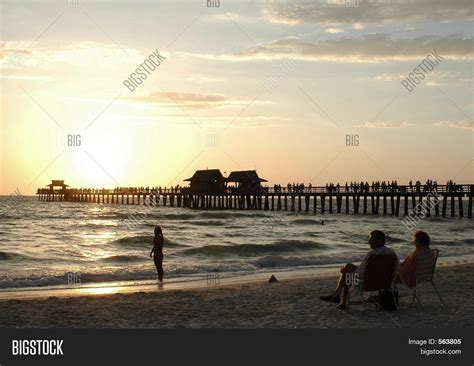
(245, 182)
(57, 183)
(209, 181)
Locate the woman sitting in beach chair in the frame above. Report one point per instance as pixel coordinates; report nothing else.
(420, 265)
(407, 270)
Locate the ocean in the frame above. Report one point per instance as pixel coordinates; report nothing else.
(52, 243)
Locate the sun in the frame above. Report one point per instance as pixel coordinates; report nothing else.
(102, 160)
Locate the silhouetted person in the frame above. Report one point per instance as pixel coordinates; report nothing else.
(377, 246)
(407, 270)
(157, 252)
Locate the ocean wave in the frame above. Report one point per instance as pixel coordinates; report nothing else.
(140, 240)
(231, 215)
(208, 223)
(144, 212)
(123, 258)
(393, 240)
(354, 237)
(34, 282)
(434, 218)
(312, 234)
(448, 243)
(111, 216)
(215, 215)
(179, 216)
(137, 274)
(273, 261)
(307, 222)
(85, 278)
(144, 241)
(7, 256)
(460, 229)
(280, 246)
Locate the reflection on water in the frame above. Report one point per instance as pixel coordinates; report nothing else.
(101, 290)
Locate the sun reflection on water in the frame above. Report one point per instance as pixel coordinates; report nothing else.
(101, 290)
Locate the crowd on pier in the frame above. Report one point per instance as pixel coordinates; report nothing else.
(295, 188)
(375, 186)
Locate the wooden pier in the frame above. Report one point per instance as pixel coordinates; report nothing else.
(399, 201)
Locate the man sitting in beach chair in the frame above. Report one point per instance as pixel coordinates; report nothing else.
(349, 271)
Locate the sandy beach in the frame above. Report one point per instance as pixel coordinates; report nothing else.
(291, 303)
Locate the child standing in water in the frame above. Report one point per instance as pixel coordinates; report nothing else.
(157, 252)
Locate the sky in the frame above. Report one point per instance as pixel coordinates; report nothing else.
(302, 91)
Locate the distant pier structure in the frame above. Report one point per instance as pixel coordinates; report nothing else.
(243, 190)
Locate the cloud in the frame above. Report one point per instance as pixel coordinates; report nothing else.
(248, 121)
(358, 26)
(432, 83)
(383, 125)
(438, 78)
(390, 77)
(28, 77)
(368, 48)
(226, 16)
(204, 79)
(445, 124)
(13, 49)
(372, 11)
(207, 121)
(191, 100)
(232, 16)
(334, 30)
(461, 124)
(186, 100)
(15, 55)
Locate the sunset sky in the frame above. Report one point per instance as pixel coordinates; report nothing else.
(271, 85)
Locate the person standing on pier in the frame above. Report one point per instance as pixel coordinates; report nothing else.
(157, 252)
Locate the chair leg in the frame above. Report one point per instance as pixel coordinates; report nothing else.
(415, 297)
(361, 293)
(394, 300)
(437, 293)
(377, 303)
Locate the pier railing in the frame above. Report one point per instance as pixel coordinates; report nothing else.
(401, 189)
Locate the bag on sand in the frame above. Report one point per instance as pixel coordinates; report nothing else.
(386, 300)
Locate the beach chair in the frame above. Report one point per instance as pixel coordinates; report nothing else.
(378, 275)
(425, 267)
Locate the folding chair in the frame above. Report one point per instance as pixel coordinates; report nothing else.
(378, 275)
(425, 267)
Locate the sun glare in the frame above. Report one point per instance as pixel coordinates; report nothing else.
(100, 290)
(102, 160)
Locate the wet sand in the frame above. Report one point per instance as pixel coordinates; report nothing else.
(291, 303)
